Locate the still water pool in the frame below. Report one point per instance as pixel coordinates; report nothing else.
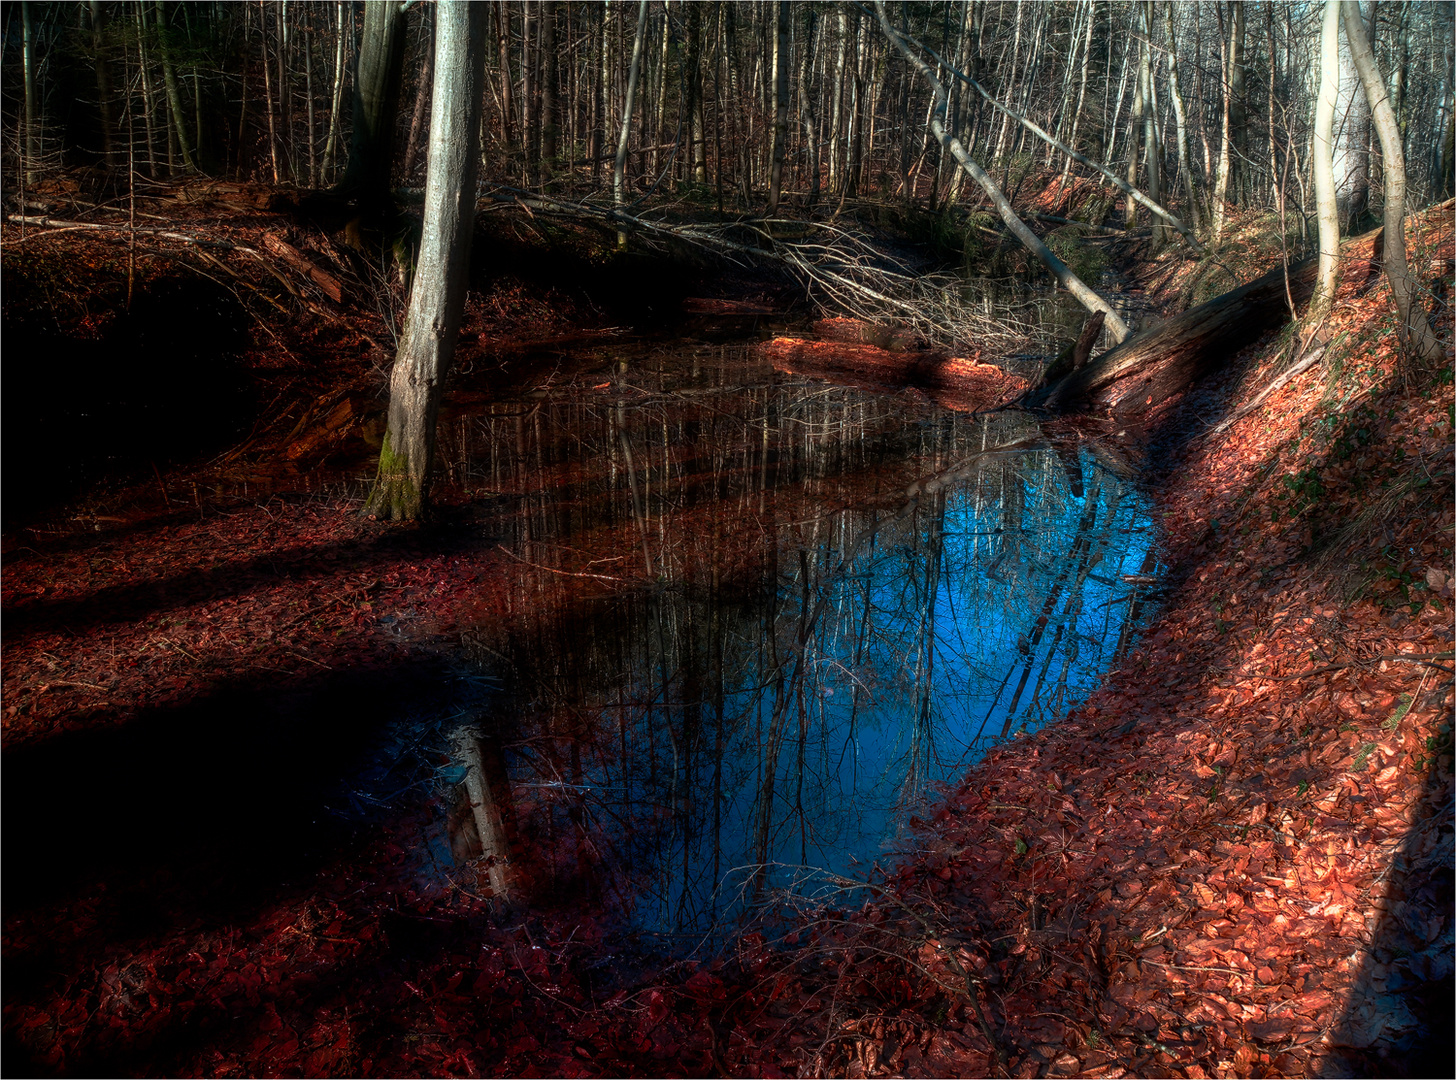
(756, 618)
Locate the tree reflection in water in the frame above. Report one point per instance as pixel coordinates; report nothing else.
(848, 596)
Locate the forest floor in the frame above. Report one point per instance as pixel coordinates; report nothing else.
(1235, 859)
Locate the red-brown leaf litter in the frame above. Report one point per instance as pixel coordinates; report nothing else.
(1235, 859)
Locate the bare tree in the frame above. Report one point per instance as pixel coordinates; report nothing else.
(1063, 273)
(437, 296)
(1324, 162)
(619, 169)
(1415, 331)
(781, 106)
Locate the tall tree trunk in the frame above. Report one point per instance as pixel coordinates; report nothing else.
(1232, 115)
(313, 170)
(1415, 331)
(507, 83)
(1152, 144)
(1238, 100)
(602, 104)
(376, 103)
(806, 105)
(268, 93)
(437, 295)
(1185, 160)
(32, 104)
(619, 168)
(1323, 164)
(781, 106)
(337, 100)
(530, 87)
(1352, 142)
(102, 59)
(1136, 128)
(550, 125)
(697, 131)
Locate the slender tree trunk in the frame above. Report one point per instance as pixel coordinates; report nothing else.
(619, 169)
(1352, 143)
(313, 170)
(1415, 331)
(268, 93)
(202, 140)
(1324, 162)
(602, 106)
(1136, 129)
(1238, 101)
(1232, 69)
(507, 82)
(530, 88)
(807, 116)
(781, 106)
(697, 131)
(376, 102)
(285, 92)
(32, 104)
(1152, 144)
(836, 102)
(102, 59)
(337, 100)
(659, 91)
(550, 126)
(422, 100)
(437, 295)
(1185, 160)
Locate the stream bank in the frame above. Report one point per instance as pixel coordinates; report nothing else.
(1225, 784)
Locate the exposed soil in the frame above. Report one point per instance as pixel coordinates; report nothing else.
(1234, 860)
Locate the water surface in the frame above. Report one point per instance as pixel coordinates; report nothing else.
(757, 618)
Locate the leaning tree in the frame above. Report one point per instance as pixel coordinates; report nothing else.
(437, 295)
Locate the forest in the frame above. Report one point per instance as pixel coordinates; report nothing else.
(728, 537)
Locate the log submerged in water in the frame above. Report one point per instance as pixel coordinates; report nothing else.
(1136, 378)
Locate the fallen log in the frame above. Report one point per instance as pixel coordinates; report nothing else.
(295, 258)
(1135, 379)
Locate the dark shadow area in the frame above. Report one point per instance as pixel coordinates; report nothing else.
(188, 817)
(221, 795)
(451, 533)
(155, 384)
(1407, 970)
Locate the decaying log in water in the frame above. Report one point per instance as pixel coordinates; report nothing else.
(1075, 355)
(1133, 380)
(481, 832)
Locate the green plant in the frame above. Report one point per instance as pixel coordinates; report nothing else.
(1362, 757)
(1402, 707)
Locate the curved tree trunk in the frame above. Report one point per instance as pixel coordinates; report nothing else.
(1415, 331)
(1352, 135)
(437, 297)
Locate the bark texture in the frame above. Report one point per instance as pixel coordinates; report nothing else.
(1415, 331)
(437, 297)
(376, 99)
(1323, 164)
